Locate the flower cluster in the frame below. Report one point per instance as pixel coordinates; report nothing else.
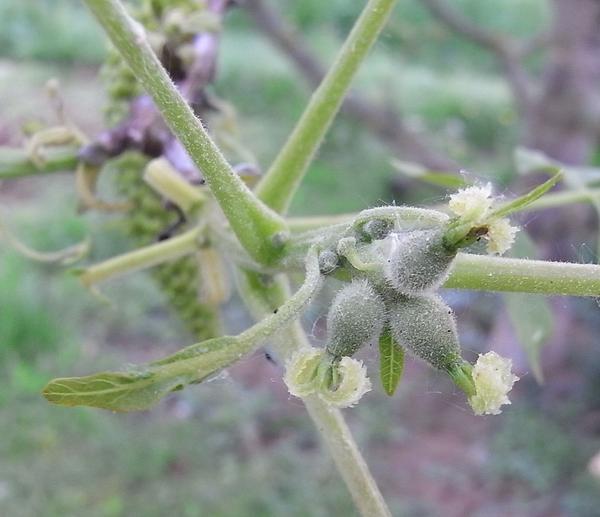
(394, 271)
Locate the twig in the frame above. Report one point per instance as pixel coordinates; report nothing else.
(282, 179)
(254, 224)
(485, 273)
(382, 119)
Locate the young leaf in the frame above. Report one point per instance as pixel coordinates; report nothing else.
(119, 391)
(137, 391)
(522, 201)
(391, 361)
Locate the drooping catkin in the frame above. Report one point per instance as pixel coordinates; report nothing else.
(179, 279)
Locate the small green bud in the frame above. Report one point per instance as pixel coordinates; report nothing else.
(356, 317)
(328, 261)
(416, 261)
(425, 325)
(376, 229)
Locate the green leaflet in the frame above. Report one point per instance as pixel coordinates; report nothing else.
(530, 314)
(142, 389)
(522, 201)
(118, 391)
(208, 348)
(391, 362)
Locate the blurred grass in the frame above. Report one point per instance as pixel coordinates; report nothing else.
(50, 30)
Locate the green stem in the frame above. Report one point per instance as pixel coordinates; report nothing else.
(255, 225)
(262, 298)
(142, 258)
(348, 459)
(280, 183)
(16, 163)
(486, 273)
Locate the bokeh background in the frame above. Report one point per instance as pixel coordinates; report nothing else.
(239, 446)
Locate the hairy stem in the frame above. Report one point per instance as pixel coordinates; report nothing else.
(262, 298)
(16, 163)
(254, 223)
(283, 178)
(485, 273)
(347, 457)
(142, 258)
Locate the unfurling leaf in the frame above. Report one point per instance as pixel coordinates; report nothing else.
(391, 361)
(141, 389)
(118, 391)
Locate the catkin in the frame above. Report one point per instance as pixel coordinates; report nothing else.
(179, 279)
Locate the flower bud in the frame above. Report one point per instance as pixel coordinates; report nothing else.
(328, 261)
(376, 229)
(417, 261)
(356, 317)
(425, 326)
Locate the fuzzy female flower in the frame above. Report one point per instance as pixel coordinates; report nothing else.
(353, 384)
(473, 206)
(301, 370)
(493, 380)
(310, 371)
(472, 203)
(500, 236)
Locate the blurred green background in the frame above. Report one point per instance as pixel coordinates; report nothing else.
(239, 446)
